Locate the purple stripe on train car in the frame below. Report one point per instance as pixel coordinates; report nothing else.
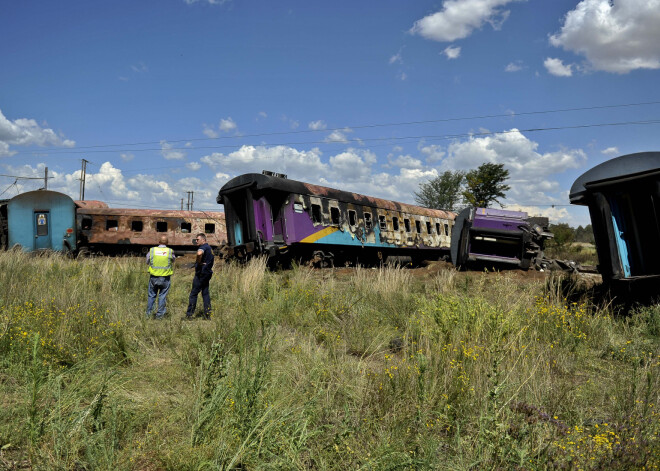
(490, 218)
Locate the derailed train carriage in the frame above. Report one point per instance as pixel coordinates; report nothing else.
(623, 196)
(291, 220)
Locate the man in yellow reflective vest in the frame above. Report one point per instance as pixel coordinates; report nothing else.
(161, 266)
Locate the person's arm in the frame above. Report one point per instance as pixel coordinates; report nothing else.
(198, 260)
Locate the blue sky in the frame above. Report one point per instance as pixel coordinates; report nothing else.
(169, 96)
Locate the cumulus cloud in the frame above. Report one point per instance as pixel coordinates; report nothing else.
(210, 132)
(614, 36)
(452, 52)
(396, 58)
(127, 157)
(352, 164)
(26, 132)
(516, 66)
(170, 153)
(556, 67)
(194, 166)
(317, 125)
(406, 161)
(227, 125)
(459, 18)
(610, 151)
(338, 136)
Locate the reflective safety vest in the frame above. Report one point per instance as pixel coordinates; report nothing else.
(160, 261)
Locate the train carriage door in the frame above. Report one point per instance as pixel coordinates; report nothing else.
(42, 230)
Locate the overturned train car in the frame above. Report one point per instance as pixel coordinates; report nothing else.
(488, 236)
(291, 220)
(623, 197)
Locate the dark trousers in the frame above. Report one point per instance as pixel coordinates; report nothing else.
(200, 283)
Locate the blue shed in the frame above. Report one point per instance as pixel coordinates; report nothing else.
(41, 220)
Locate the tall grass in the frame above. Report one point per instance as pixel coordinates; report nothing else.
(319, 369)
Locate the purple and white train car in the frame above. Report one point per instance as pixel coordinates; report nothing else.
(291, 220)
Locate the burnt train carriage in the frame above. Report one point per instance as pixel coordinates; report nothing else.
(113, 230)
(288, 219)
(41, 220)
(623, 196)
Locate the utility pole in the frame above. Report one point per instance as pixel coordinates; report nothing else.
(83, 174)
(191, 198)
(181, 204)
(46, 179)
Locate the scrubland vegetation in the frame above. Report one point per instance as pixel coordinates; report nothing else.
(369, 369)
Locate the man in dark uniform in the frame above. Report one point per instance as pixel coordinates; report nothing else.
(203, 274)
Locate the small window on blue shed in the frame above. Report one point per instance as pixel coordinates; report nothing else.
(161, 226)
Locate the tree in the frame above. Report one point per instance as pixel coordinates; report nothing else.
(563, 233)
(443, 192)
(485, 185)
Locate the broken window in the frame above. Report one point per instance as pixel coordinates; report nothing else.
(136, 226)
(428, 228)
(367, 220)
(334, 216)
(382, 222)
(437, 228)
(446, 229)
(86, 224)
(316, 213)
(209, 228)
(161, 226)
(352, 217)
(418, 226)
(395, 223)
(186, 227)
(111, 225)
(406, 223)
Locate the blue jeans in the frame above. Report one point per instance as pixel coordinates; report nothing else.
(158, 285)
(200, 283)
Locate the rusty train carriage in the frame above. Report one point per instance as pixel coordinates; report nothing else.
(291, 219)
(113, 230)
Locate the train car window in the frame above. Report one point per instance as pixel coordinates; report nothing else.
(111, 225)
(395, 223)
(446, 229)
(136, 226)
(382, 222)
(186, 227)
(334, 215)
(352, 217)
(161, 226)
(86, 224)
(316, 213)
(297, 207)
(418, 226)
(209, 228)
(437, 228)
(428, 228)
(406, 223)
(367, 220)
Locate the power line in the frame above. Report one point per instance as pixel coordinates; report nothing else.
(343, 128)
(380, 139)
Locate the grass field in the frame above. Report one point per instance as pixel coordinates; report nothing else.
(372, 369)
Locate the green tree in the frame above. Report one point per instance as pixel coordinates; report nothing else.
(564, 234)
(442, 192)
(485, 185)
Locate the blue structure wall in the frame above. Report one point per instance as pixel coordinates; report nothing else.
(42, 220)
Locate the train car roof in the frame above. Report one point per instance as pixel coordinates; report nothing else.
(154, 213)
(625, 167)
(265, 182)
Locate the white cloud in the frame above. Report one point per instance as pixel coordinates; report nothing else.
(613, 35)
(262, 115)
(317, 125)
(402, 76)
(210, 132)
(452, 52)
(170, 153)
(458, 18)
(406, 161)
(516, 66)
(352, 164)
(396, 58)
(127, 157)
(140, 68)
(610, 151)
(26, 132)
(194, 166)
(338, 136)
(227, 125)
(556, 67)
